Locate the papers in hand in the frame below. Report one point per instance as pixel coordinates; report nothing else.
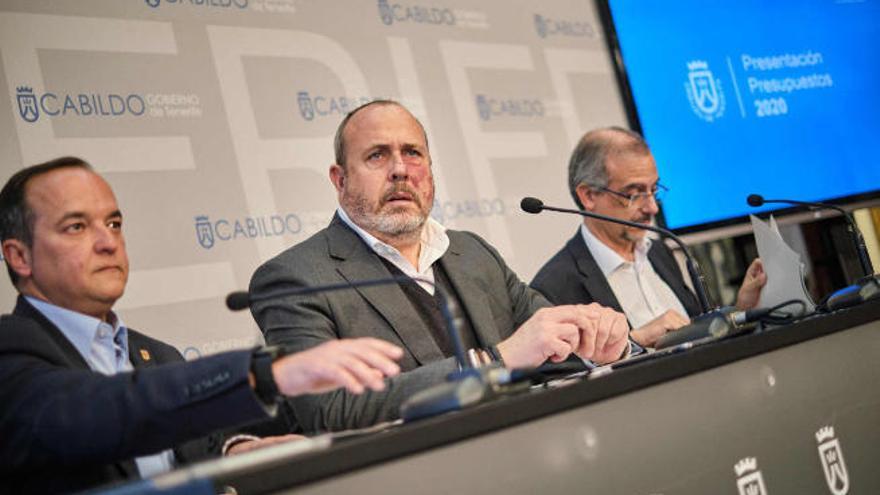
(783, 266)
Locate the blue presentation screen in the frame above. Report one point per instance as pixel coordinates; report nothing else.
(779, 98)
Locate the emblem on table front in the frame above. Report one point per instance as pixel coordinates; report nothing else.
(749, 480)
(831, 457)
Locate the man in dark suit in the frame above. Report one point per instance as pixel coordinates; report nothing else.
(384, 182)
(86, 400)
(612, 172)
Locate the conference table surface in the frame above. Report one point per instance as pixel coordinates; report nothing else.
(795, 409)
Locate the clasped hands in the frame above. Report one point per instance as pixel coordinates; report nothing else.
(591, 331)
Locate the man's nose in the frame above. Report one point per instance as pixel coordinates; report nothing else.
(399, 169)
(107, 239)
(650, 206)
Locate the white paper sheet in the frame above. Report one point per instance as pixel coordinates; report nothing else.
(783, 266)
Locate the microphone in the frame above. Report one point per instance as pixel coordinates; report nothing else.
(710, 324)
(535, 206)
(868, 286)
(756, 200)
(464, 388)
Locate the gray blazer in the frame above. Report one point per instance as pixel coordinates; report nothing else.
(494, 298)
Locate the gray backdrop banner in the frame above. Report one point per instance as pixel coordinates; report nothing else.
(213, 121)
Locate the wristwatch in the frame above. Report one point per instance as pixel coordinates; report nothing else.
(264, 381)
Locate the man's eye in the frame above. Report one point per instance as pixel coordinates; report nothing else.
(115, 224)
(374, 155)
(413, 152)
(75, 227)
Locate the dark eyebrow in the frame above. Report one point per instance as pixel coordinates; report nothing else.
(634, 185)
(78, 215)
(72, 215)
(378, 147)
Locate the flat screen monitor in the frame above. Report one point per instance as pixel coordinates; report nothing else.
(779, 98)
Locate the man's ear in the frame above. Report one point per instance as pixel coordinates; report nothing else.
(18, 257)
(337, 176)
(585, 196)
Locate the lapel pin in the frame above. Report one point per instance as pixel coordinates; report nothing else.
(145, 354)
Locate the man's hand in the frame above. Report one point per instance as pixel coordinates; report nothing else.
(606, 338)
(750, 291)
(648, 334)
(591, 331)
(355, 364)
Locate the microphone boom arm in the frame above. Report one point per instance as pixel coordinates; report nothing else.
(699, 282)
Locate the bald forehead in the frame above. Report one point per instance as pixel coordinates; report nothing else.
(42, 183)
(375, 115)
(66, 186)
(616, 141)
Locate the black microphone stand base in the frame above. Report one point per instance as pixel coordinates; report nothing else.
(713, 324)
(865, 289)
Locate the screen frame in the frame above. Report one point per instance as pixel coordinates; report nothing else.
(606, 20)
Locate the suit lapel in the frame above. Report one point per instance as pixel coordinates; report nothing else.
(358, 262)
(593, 282)
(127, 469)
(74, 359)
(472, 297)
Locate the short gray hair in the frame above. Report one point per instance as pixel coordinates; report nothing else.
(587, 162)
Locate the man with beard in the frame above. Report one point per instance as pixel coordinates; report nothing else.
(612, 172)
(384, 182)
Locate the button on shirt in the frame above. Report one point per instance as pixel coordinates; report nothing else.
(642, 294)
(105, 348)
(434, 242)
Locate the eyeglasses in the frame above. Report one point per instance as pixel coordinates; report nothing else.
(639, 198)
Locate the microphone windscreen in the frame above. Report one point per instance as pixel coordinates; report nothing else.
(237, 301)
(531, 205)
(755, 200)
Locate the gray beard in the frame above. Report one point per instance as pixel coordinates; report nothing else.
(393, 224)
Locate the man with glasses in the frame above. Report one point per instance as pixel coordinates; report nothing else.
(612, 172)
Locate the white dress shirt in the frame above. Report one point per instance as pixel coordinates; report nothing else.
(642, 294)
(434, 242)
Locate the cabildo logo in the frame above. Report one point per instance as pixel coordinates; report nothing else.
(449, 210)
(323, 106)
(389, 13)
(489, 108)
(208, 232)
(546, 26)
(33, 105)
(704, 91)
(226, 4)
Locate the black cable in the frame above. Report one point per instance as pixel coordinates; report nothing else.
(784, 318)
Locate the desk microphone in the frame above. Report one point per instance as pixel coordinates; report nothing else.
(868, 286)
(855, 234)
(711, 323)
(535, 206)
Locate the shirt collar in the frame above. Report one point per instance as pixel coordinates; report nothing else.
(434, 239)
(81, 330)
(606, 258)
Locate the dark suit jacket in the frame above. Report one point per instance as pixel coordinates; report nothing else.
(495, 300)
(66, 428)
(573, 277)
